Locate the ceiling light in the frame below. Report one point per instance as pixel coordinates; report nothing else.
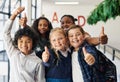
(67, 3)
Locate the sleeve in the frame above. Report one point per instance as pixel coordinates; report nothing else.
(9, 47)
(91, 49)
(40, 73)
(46, 64)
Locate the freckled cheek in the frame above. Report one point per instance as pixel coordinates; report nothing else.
(64, 42)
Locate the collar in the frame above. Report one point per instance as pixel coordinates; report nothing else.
(65, 53)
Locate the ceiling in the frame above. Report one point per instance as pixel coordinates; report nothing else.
(81, 2)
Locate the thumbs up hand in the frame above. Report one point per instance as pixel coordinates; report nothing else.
(45, 55)
(103, 37)
(23, 20)
(89, 58)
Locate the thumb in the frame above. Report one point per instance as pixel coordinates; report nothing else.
(84, 51)
(24, 15)
(46, 50)
(102, 31)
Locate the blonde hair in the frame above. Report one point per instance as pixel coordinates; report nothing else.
(58, 30)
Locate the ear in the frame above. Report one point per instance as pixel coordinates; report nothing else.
(84, 37)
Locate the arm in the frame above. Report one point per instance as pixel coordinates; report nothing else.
(7, 33)
(93, 40)
(40, 73)
(102, 39)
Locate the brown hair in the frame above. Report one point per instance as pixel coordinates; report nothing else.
(74, 27)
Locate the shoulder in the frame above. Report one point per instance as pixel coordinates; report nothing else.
(89, 48)
(87, 45)
(35, 58)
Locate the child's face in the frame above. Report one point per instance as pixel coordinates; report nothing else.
(43, 26)
(58, 41)
(25, 44)
(76, 38)
(66, 22)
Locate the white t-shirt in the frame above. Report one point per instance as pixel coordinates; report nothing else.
(76, 70)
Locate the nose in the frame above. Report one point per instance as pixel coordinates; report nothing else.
(42, 26)
(74, 36)
(24, 44)
(65, 24)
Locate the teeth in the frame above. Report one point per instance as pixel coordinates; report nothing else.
(75, 40)
(24, 48)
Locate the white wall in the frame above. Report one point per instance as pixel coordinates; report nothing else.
(3, 68)
(112, 27)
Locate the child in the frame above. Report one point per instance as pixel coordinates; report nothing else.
(42, 27)
(84, 57)
(25, 66)
(57, 61)
(68, 20)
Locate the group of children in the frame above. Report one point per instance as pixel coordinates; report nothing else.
(68, 55)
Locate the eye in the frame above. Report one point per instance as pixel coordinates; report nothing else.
(78, 34)
(62, 23)
(68, 22)
(21, 41)
(60, 38)
(45, 25)
(53, 40)
(40, 24)
(28, 41)
(70, 36)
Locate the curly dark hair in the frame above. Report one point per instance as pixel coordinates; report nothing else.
(35, 26)
(71, 17)
(26, 31)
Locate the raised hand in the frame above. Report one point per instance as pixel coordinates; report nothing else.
(89, 58)
(23, 20)
(103, 37)
(45, 55)
(16, 12)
